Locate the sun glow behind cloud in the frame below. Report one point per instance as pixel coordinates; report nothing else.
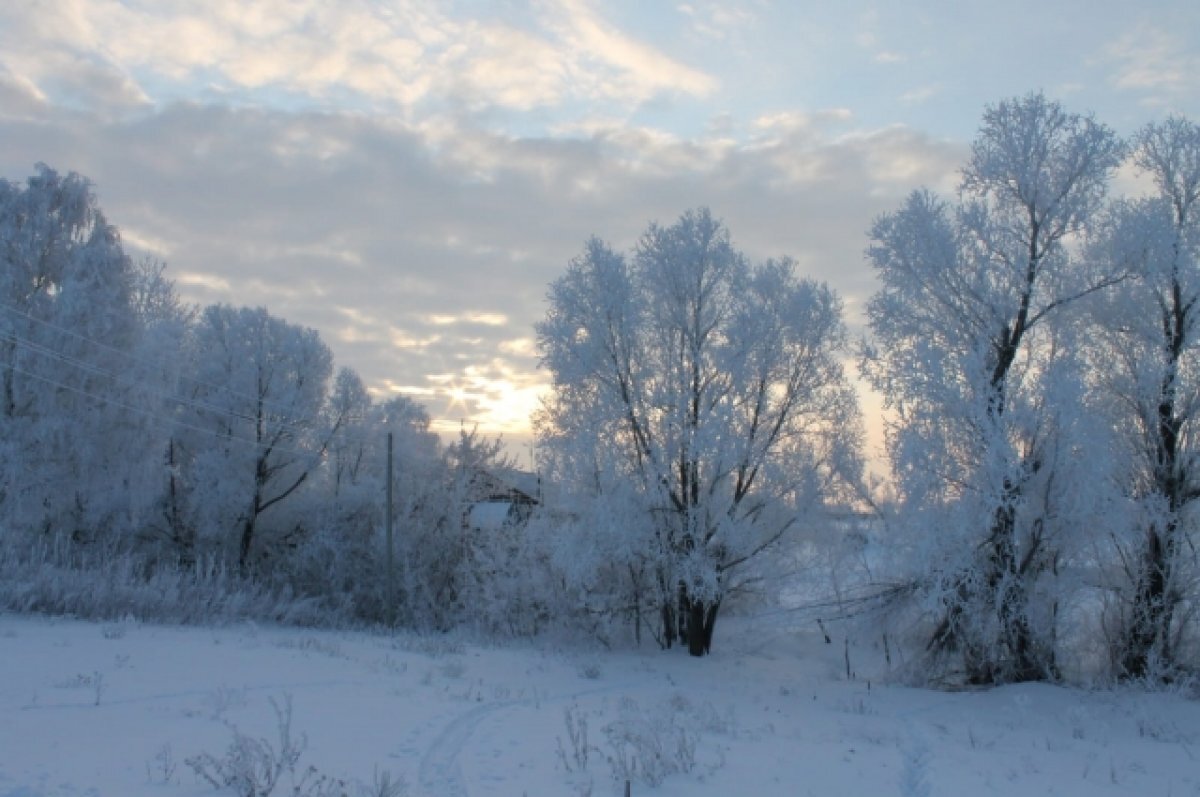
(407, 178)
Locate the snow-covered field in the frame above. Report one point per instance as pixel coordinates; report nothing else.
(118, 709)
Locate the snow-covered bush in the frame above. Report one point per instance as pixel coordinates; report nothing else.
(257, 766)
(60, 577)
(648, 744)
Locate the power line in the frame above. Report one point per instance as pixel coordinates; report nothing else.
(195, 404)
(149, 413)
(152, 365)
(304, 424)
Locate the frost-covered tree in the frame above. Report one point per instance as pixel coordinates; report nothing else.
(73, 453)
(967, 355)
(1147, 350)
(252, 428)
(706, 392)
(345, 556)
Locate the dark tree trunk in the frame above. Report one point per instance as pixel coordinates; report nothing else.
(667, 612)
(1013, 655)
(182, 534)
(10, 404)
(1006, 586)
(668, 625)
(683, 618)
(247, 540)
(696, 645)
(701, 618)
(251, 518)
(1148, 632)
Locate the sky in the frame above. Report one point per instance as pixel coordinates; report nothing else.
(408, 177)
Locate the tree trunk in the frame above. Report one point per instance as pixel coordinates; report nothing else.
(1148, 633)
(182, 534)
(247, 539)
(701, 619)
(248, 526)
(668, 625)
(667, 612)
(696, 645)
(1011, 655)
(10, 404)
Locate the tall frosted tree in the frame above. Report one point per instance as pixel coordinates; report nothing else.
(966, 352)
(72, 452)
(1147, 346)
(705, 394)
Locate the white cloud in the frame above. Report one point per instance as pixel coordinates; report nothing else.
(410, 265)
(1151, 59)
(393, 56)
(795, 121)
(207, 282)
(487, 319)
(20, 98)
(919, 95)
(719, 21)
(636, 72)
(342, 165)
(147, 244)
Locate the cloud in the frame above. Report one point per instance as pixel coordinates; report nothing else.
(599, 62)
(919, 95)
(20, 98)
(386, 240)
(471, 318)
(1154, 61)
(193, 282)
(717, 21)
(403, 55)
(341, 165)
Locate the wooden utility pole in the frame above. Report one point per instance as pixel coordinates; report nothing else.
(390, 575)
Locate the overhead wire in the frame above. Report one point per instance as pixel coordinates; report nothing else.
(151, 364)
(150, 413)
(302, 425)
(96, 370)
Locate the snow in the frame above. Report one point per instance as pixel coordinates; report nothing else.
(115, 709)
(490, 515)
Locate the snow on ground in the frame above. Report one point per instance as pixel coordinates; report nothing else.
(117, 709)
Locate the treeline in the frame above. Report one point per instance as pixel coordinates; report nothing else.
(143, 436)
(1037, 343)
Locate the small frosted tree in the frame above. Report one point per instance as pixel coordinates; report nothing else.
(713, 389)
(345, 556)
(252, 426)
(966, 353)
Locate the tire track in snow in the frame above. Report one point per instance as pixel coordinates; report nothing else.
(440, 772)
